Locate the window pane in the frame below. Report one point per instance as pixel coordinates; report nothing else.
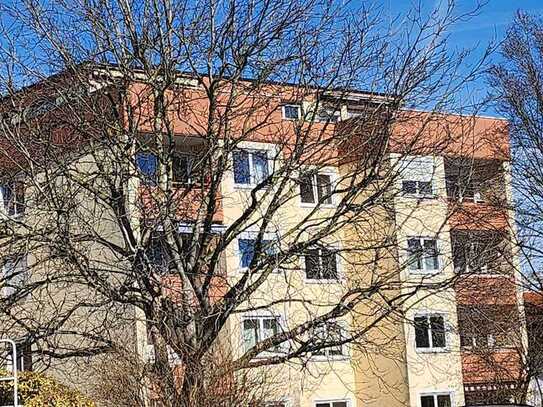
(292, 111)
(414, 251)
(339, 404)
(324, 188)
(271, 327)
(147, 166)
(409, 187)
(427, 401)
(260, 166)
(181, 168)
(431, 261)
(322, 405)
(335, 335)
(242, 174)
(425, 188)
(444, 400)
(329, 265)
(246, 250)
(438, 331)
(250, 332)
(306, 189)
(422, 339)
(312, 267)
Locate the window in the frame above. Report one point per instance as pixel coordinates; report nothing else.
(422, 254)
(430, 332)
(15, 274)
(250, 167)
(158, 255)
(435, 400)
(274, 404)
(335, 403)
(329, 333)
(147, 164)
(24, 358)
(185, 169)
(292, 112)
(257, 329)
(328, 115)
(247, 250)
(321, 264)
(316, 188)
(418, 188)
(416, 176)
(477, 341)
(14, 198)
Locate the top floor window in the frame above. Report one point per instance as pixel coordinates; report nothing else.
(316, 188)
(417, 176)
(13, 195)
(292, 112)
(250, 166)
(147, 165)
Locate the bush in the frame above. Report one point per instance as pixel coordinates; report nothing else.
(38, 390)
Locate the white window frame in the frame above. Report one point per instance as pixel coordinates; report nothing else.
(436, 393)
(345, 351)
(404, 163)
(424, 271)
(333, 183)
(418, 194)
(250, 150)
(248, 235)
(446, 328)
(330, 401)
(297, 105)
(261, 317)
(339, 266)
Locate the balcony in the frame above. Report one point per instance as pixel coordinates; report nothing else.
(483, 261)
(184, 174)
(481, 252)
(490, 341)
(476, 192)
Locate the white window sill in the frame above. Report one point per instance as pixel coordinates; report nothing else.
(429, 273)
(313, 205)
(323, 281)
(432, 350)
(416, 196)
(330, 358)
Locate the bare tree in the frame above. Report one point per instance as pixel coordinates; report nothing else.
(517, 84)
(134, 141)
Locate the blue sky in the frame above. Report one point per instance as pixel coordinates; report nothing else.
(490, 24)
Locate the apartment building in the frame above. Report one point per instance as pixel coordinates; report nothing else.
(447, 228)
